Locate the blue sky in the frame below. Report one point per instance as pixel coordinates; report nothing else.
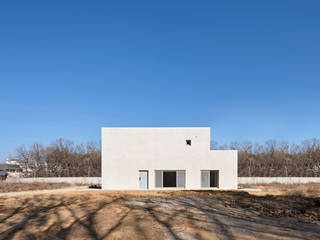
(248, 69)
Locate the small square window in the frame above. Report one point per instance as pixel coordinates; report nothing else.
(188, 141)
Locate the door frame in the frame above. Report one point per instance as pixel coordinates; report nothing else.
(147, 178)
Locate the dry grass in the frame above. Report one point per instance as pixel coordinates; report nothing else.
(308, 190)
(19, 187)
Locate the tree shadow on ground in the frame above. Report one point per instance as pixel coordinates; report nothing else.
(189, 215)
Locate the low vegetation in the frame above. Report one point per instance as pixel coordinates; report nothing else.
(19, 186)
(307, 190)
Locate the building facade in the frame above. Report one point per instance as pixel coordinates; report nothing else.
(165, 158)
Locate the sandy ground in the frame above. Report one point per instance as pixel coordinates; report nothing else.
(85, 188)
(155, 215)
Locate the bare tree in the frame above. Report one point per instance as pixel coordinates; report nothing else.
(277, 158)
(62, 158)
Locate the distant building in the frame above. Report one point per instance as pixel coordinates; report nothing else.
(12, 161)
(11, 166)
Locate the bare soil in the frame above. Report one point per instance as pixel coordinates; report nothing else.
(159, 215)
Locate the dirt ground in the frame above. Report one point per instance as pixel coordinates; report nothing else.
(159, 215)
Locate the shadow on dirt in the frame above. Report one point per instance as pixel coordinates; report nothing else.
(174, 215)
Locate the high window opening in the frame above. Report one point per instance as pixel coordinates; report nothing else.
(188, 142)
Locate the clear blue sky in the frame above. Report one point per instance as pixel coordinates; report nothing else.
(248, 69)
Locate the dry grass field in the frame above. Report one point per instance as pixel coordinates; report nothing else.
(160, 215)
(19, 186)
(308, 190)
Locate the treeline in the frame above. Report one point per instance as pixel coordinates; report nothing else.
(62, 158)
(276, 158)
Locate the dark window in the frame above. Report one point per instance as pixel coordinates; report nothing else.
(188, 142)
(169, 179)
(214, 178)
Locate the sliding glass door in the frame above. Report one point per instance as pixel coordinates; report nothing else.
(170, 178)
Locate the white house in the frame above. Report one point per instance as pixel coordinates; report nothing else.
(165, 158)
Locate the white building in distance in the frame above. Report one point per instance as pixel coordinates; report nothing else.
(165, 158)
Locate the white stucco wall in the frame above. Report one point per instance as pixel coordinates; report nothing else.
(125, 151)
